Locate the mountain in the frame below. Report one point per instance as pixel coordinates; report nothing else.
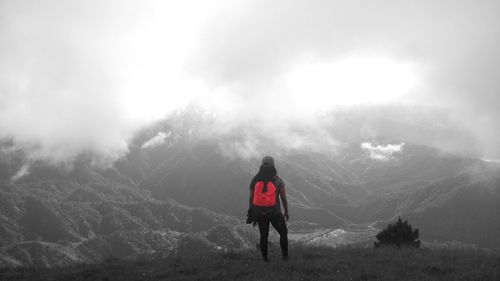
(354, 183)
(53, 217)
(183, 186)
(464, 208)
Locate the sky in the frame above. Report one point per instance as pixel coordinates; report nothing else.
(79, 76)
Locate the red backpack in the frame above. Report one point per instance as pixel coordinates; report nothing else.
(264, 197)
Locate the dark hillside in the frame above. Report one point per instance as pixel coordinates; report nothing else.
(183, 182)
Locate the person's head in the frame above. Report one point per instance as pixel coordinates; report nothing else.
(267, 170)
(268, 161)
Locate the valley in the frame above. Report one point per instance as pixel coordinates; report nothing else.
(181, 189)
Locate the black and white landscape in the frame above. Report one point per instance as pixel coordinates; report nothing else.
(179, 189)
(132, 129)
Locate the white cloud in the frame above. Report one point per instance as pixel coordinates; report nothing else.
(79, 76)
(453, 49)
(491, 160)
(23, 171)
(156, 140)
(382, 152)
(83, 76)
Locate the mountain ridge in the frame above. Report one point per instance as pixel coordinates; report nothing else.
(179, 179)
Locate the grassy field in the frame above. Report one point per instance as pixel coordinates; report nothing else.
(305, 263)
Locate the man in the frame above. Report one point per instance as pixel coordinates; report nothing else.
(266, 189)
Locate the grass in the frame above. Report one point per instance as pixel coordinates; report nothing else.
(306, 263)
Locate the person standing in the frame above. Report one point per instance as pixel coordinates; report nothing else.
(266, 190)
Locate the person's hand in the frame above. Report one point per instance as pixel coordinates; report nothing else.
(250, 217)
(287, 217)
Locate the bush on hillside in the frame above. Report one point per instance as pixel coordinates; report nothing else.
(399, 234)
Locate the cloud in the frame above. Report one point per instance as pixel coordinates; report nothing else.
(382, 152)
(491, 160)
(83, 76)
(156, 140)
(255, 141)
(23, 171)
(452, 44)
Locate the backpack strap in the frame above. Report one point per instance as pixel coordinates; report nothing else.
(275, 182)
(264, 188)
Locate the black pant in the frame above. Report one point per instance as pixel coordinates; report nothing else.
(278, 222)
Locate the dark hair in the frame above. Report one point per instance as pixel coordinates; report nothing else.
(266, 174)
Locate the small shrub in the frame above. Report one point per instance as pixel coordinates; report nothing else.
(399, 234)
